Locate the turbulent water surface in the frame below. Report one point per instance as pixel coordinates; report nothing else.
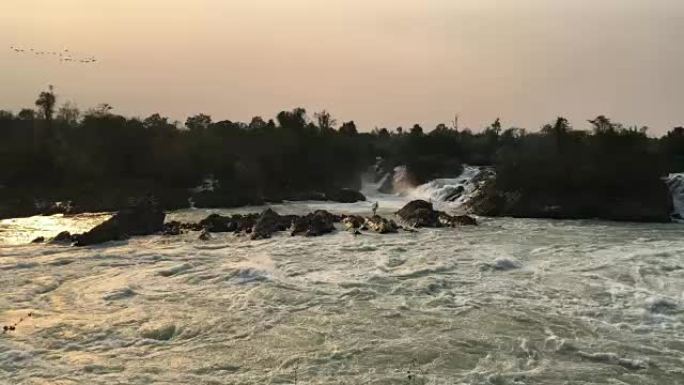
(509, 302)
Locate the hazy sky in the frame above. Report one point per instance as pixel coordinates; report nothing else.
(379, 62)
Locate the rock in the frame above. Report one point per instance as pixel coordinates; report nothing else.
(142, 219)
(302, 196)
(345, 195)
(455, 194)
(205, 235)
(38, 240)
(172, 228)
(381, 225)
(456, 220)
(270, 222)
(215, 223)
(353, 222)
(419, 213)
(64, 237)
(315, 224)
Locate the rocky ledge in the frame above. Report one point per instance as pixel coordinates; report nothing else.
(146, 219)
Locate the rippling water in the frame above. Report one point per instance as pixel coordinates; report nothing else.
(509, 302)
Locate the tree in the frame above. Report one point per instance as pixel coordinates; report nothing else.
(26, 114)
(348, 129)
(257, 123)
(46, 102)
(441, 129)
(68, 113)
(6, 115)
(295, 119)
(603, 125)
(417, 130)
(381, 132)
(495, 128)
(560, 128)
(198, 122)
(325, 121)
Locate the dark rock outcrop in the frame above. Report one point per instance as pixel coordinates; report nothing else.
(63, 238)
(142, 219)
(491, 200)
(270, 222)
(353, 222)
(315, 224)
(345, 195)
(420, 213)
(381, 225)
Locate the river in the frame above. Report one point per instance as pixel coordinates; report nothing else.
(512, 301)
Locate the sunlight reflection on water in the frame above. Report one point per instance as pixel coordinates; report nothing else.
(17, 231)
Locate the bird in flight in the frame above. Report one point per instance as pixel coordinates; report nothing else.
(65, 55)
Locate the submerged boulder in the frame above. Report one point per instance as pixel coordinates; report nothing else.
(142, 219)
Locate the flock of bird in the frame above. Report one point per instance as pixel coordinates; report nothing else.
(65, 56)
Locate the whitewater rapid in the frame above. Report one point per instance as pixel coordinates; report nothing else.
(512, 301)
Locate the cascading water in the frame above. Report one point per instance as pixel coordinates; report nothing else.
(455, 191)
(676, 184)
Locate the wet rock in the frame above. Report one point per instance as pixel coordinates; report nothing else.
(270, 222)
(419, 213)
(456, 220)
(173, 228)
(215, 223)
(381, 225)
(353, 222)
(315, 224)
(64, 237)
(142, 219)
(205, 235)
(345, 195)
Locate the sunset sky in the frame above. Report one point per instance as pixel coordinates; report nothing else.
(382, 63)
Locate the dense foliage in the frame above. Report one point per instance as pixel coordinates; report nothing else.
(100, 159)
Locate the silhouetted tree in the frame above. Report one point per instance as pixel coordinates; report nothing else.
(348, 129)
(46, 102)
(198, 122)
(69, 113)
(326, 122)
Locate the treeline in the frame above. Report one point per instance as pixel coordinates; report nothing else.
(99, 159)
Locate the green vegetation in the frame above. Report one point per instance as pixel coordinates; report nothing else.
(99, 160)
